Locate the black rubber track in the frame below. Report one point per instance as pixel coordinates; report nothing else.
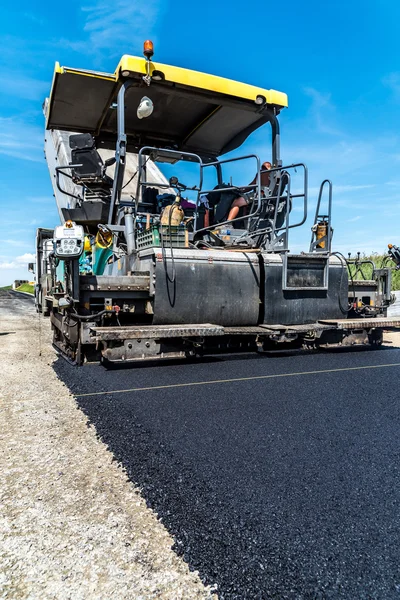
(286, 487)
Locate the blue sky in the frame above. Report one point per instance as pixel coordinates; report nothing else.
(338, 62)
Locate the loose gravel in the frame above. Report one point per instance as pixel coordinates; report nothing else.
(72, 526)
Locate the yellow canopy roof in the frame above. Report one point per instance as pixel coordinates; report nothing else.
(193, 111)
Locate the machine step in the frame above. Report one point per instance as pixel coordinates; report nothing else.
(156, 331)
(373, 322)
(208, 329)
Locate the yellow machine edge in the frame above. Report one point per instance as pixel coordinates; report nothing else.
(204, 81)
(134, 65)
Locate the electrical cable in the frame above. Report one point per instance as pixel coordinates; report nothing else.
(386, 259)
(129, 180)
(164, 257)
(341, 256)
(134, 175)
(95, 317)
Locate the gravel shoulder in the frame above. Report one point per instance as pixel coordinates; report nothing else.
(72, 526)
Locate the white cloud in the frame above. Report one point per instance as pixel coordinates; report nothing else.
(393, 183)
(30, 50)
(18, 262)
(41, 199)
(120, 24)
(6, 222)
(339, 189)
(20, 140)
(354, 219)
(25, 258)
(5, 266)
(320, 99)
(14, 243)
(33, 17)
(323, 111)
(352, 188)
(23, 86)
(342, 159)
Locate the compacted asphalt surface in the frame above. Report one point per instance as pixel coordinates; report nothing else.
(281, 481)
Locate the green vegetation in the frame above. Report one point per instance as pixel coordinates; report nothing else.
(26, 287)
(380, 261)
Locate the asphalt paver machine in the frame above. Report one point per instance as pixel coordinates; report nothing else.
(144, 266)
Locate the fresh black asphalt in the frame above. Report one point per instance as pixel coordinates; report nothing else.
(287, 487)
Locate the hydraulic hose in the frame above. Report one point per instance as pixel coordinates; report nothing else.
(345, 311)
(172, 278)
(94, 317)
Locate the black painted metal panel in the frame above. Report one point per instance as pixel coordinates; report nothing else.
(304, 306)
(208, 289)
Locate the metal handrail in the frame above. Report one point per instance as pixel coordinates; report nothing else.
(273, 231)
(318, 215)
(164, 185)
(61, 169)
(304, 195)
(146, 150)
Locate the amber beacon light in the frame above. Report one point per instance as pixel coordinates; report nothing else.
(148, 49)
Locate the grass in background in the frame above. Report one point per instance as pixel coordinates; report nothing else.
(26, 287)
(379, 260)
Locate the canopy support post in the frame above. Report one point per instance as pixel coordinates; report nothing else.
(120, 151)
(276, 141)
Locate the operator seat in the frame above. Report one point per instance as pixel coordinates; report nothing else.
(221, 201)
(92, 170)
(93, 206)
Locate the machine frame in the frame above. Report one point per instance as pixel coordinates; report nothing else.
(207, 294)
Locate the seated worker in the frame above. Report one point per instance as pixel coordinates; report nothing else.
(241, 201)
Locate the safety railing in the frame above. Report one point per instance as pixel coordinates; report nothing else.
(88, 192)
(278, 238)
(267, 204)
(151, 153)
(321, 231)
(62, 169)
(271, 237)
